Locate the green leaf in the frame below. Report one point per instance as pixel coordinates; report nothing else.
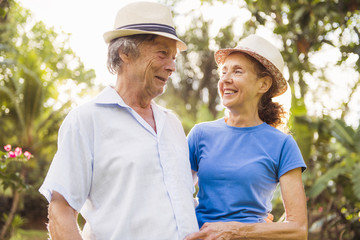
(356, 180)
(300, 13)
(343, 133)
(322, 182)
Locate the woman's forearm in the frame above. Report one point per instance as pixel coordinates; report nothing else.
(251, 231)
(275, 230)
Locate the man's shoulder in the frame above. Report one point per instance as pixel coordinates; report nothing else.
(168, 112)
(90, 105)
(162, 109)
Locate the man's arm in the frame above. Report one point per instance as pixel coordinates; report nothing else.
(62, 219)
(294, 227)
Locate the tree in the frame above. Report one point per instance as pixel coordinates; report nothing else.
(35, 61)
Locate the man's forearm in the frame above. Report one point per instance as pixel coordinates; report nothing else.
(63, 229)
(62, 220)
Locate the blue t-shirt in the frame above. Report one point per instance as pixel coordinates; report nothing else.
(239, 169)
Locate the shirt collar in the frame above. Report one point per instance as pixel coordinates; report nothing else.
(110, 96)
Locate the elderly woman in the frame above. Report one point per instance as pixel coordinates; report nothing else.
(240, 159)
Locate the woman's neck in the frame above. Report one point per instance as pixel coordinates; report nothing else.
(240, 120)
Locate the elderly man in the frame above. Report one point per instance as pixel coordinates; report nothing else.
(122, 160)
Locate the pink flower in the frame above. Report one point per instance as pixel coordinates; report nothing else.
(18, 151)
(12, 154)
(27, 155)
(7, 147)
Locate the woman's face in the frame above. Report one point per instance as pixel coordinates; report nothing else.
(238, 85)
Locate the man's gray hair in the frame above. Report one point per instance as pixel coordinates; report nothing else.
(128, 45)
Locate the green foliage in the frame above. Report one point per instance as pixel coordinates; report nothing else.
(322, 182)
(335, 187)
(356, 180)
(347, 157)
(10, 171)
(12, 175)
(30, 235)
(16, 223)
(35, 63)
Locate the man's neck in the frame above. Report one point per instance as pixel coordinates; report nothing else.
(136, 100)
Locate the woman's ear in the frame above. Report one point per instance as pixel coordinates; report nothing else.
(266, 83)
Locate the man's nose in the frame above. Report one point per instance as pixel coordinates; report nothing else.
(170, 66)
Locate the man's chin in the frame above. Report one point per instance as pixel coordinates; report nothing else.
(159, 92)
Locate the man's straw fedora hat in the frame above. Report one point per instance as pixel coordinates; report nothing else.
(263, 51)
(144, 18)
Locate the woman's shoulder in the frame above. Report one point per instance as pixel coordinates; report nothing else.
(207, 125)
(275, 133)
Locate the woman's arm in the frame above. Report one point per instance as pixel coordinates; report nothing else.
(62, 219)
(195, 177)
(294, 226)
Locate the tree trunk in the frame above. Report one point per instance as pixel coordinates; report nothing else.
(14, 206)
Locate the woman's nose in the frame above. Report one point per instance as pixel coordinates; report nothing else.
(225, 77)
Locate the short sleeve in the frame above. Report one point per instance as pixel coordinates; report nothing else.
(291, 157)
(193, 148)
(70, 172)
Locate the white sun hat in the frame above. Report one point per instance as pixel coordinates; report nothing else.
(263, 51)
(144, 18)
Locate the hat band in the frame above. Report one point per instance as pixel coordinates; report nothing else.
(151, 27)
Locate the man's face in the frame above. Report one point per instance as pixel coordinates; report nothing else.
(154, 65)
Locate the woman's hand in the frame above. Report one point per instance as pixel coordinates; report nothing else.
(217, 231)
(269, 218)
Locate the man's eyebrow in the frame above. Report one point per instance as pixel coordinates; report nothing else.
(167, 48)
(164, 46)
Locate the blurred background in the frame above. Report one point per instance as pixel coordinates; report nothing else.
(53, 58)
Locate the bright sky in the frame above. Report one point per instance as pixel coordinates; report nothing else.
(87, 20)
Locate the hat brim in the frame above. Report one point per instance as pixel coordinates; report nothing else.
(108, 36)
(222, 54)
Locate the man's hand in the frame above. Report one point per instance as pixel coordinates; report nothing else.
(216, 231)
(221, 230)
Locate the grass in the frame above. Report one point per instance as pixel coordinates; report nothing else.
(30, 235)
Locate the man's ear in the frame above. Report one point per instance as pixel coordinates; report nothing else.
(266, 83)
(124, 57)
